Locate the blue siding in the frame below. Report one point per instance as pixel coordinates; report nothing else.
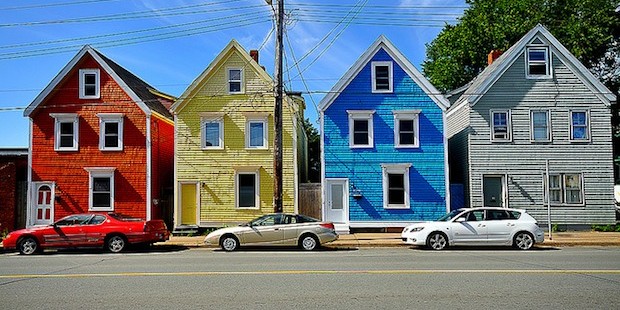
(362, 167)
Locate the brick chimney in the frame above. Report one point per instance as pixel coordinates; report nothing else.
(494, 54)
(254, 55)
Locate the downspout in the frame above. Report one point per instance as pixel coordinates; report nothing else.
(148, 167)
(29, 185)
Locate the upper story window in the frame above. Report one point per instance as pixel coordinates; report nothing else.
(212, 134)
(538, 62)
(361, 129)
(89, 83)
(256, 133)
(235, 81)
(65, 131)
(501, 128)
(382, 78)
(540, 126)
(406, 129)
(579, 126)
(110, 131)
(396, 186)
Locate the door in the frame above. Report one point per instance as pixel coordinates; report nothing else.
(500, 224)
(43, 203)
(336, 205)
(267, 229)
(188, 203)
(493, 189)
(470, 228)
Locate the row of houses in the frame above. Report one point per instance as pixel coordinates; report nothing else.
(394, 150)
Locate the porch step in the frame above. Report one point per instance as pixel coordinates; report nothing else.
(185, 230)
(342, 228)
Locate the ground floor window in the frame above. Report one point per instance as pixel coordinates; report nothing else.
(565, 188)
(247, 189)
(396, 186)
(101, 189)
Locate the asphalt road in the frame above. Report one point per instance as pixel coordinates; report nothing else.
(386, 278)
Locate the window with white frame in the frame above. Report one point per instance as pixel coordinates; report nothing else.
(101, 189)
(65, 131)
(110, 131)
(565, 188)
(361, 128)
(396, 186)
(538, 64)
(540, 125)
(579, 122)
(500, 126)
(235, 80)
(247, 189)
(89, 83)
(406, 129)
(256, 133)
(382, 77)
(212, 133)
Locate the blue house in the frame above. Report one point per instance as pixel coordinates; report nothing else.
(383, 144)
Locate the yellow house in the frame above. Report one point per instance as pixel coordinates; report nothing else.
(224, 129)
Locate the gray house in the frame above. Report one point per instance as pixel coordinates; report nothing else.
(536, 106)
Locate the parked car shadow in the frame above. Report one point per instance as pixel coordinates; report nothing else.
(288, 249)
(163, 248)
(486, 248)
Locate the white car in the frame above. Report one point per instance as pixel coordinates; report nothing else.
(477, 226)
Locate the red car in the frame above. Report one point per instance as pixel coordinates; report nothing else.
(112, 231)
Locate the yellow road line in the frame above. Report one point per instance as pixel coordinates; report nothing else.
(297, 272)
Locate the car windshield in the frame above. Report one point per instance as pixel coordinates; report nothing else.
(449, 216)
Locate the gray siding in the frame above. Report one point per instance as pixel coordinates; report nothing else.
(458, 146)
(523, 161)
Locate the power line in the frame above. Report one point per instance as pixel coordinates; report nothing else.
(27, 7)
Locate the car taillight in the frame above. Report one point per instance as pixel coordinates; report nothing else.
(327, 225)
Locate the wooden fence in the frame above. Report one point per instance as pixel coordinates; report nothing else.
(310, 199)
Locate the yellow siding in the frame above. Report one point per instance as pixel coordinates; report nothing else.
(215, 169)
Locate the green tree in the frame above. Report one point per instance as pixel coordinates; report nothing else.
(314, 152)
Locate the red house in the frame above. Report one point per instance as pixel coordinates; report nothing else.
(101, 139)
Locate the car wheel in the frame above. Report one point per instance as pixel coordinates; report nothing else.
(229, 243)
(28, 246)
(309, 242)
(523, 240)
(116, 244)
(437, 241)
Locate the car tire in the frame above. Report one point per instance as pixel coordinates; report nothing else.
(437, 241)
(523, 240)
(309, 242)
(28, 246)
(229, 243)
(116, 243)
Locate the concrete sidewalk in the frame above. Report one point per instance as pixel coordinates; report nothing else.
(560, 239)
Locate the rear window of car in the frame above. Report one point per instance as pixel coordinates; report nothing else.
(305, 219)
(123, 217)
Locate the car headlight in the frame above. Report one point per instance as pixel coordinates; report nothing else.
(416, 229)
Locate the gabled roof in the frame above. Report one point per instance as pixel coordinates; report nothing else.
(145, 96)
(222, 56)
(483, 82)
(383, 43)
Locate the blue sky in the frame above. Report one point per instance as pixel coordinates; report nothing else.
(168, 43)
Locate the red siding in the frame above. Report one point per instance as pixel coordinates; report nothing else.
(162, 154)
(66, 168)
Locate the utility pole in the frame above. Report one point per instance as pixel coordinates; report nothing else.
(277, 116)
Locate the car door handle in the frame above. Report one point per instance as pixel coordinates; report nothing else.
(277, 229)
(481, 225)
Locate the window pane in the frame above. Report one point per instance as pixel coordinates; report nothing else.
(234, 75)
(406, 134)
(111, 141)
(382, 80)
(111, 128)
(89, 79)
(235, 87)
(101, 200)
(537, 55)
(66, 141)
(337, 197)
(101, 184)
(90, 90)
(579, 118)
(256, 134)
(406, 125)
(247, 190)
(360, 125)
(212, 134)
(500, 119)
(396, 188)
(66, 128)
(360, 132)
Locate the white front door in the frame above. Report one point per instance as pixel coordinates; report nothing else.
(43, 203)
(337, 202)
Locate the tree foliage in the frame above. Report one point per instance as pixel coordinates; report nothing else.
(459, 53)
(314, 152)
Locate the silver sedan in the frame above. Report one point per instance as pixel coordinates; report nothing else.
(275, 229)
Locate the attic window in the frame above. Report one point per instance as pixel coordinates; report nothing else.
(538, 62)
(382, 77)
(89, 84)
(235, 81)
